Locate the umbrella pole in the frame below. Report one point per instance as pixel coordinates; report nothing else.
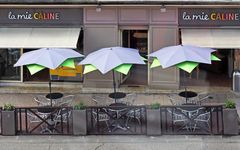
(114, 86)
(185, 87)
(50, 91)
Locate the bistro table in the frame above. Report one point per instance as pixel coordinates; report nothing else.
(117, 95)
(45, 110)
(190, 113)
(120, 110)
(46, 114)
(187, 95)
(54, 97)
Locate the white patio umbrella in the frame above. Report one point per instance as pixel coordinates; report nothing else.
(172, 55)
(112, 58)
(185, 57)
(51, 58)
(48, 57)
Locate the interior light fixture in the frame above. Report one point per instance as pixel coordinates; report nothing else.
(163, 9)
(98, 8)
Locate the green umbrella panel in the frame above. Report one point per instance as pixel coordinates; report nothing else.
(187, 66)
(124, 68)
(34, 68)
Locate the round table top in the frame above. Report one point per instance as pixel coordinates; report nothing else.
(45, 110)
(118, 104)
(54, 95)
(188, 94)
(117, 95)
(189, 104)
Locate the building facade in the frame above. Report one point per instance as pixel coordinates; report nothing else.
(147, 26)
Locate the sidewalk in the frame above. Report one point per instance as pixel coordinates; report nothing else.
(119, 143)
(23, 94)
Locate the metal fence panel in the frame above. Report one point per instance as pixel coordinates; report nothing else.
(191, 120)
(116, 120)
(44, 120)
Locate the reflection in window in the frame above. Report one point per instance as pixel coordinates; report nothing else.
(8, 57)
(60, 74)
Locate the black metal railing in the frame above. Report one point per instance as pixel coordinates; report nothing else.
(1, 120)
(122, 120)
(191, 119)
(44, 120)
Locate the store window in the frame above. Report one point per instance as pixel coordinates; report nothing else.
(60, 74)
(8, 57)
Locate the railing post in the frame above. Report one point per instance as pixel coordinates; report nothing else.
(153, 122)
(79, 122)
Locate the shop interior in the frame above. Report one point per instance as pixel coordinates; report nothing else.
(219, 73)
(137, 39)
(8, 57)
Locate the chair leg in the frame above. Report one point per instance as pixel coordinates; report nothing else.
(139, 122)
(126, 124)
(194, 128)
(109, 130)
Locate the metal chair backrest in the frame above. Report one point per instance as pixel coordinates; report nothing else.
(176, 100)
(99, 100)
(100, 116)
(66, 101)
(42, 100)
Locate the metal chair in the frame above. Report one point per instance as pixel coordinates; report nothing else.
(100, 100)
(134, 114)
(34, 119)
(204, 98)
(101, 116)
(66, 101)
(42, 100)
(203, 118)
(129, 99)
(62, 116)
(179, 119)
(192, 112)
(176, 100)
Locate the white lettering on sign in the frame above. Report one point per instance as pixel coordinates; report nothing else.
(24, 16)
(213, 16)
(201, 16)
(34, 16)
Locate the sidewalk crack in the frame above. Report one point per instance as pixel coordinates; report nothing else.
(99, 146)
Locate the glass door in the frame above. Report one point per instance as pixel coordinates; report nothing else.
(137, 39)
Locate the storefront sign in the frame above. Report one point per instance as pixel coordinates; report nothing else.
(209, 17)
(41, 17)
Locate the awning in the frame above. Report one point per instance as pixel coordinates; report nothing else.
(39, 37)
(212, 38)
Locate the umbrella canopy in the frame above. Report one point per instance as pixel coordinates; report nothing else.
(118, 59)
(47, 58)
(185, 57)
(109, 58)
(172, 55)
